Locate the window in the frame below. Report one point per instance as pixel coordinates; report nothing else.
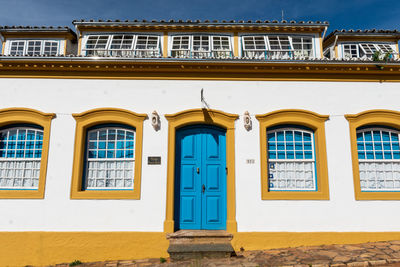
(110, 158)
(201, 46)
(291, 159)
(20, 154)
(24, 141)
(375, 153)
(379, 159)
(108, 154)
(122, 45)
(277, 46)
(293, 155)
(365, 50)
(34, 47)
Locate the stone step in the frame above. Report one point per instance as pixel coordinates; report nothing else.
(198, 244)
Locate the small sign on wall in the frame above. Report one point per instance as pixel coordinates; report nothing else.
(153, 160)
(250, 161)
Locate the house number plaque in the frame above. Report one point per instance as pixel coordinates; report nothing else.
(153, 160)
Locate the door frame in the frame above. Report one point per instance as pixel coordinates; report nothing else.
(210, 117)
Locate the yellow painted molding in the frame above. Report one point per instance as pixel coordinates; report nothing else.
(312, 120)
(211, 117)
(80, 44)
(274, 240)
(381, 117)
(198, 70)
(50, 248)
(3, 49)
(236, 44)
(165, 44)
(10, 116)
(25, 35)
(93, 117)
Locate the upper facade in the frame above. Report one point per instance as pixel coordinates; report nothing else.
(178, 40)
(367, 44)
(38, 41)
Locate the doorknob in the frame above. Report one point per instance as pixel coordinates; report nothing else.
(198, 170)
(203, 188)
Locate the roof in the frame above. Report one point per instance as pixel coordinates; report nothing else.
(225, 24)
(4, 30)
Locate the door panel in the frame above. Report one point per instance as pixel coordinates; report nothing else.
(200, 182)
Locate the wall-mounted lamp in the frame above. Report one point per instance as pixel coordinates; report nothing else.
(155, 120)
(247, 121)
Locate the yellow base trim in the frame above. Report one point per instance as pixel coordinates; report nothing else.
(44, 248)
(272, 240)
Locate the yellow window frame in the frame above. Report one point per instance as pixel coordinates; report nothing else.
(94, 117)
(370, 117)
(10, 116)
(315, 122)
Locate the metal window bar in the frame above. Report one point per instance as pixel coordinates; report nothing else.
(20, 156)
(291, 160)
(121, 45)
(96, 45)
(379, 159)
(279, 47)
(110, 159)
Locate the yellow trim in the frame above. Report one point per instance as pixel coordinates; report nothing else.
(98, 116)
(236, 44)
(22, 35)
(397, 50)
(306, 118)
(80, 44)
(371, 117)
(65, 47)
(165, 44)
(271, 240)
(11, 116)
(3, 49)
(336, 51)
(202, 116)
(50, 248)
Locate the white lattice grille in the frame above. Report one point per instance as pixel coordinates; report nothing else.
(110, 158)
(291, 160)
(17, 48)
(379, 159)
(20, 155)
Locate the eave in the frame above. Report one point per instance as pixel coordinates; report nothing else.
(174, 69)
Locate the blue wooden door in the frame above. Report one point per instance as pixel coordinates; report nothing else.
(200, 178)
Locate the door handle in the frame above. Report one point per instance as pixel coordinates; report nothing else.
(198, 170)
(203, 188)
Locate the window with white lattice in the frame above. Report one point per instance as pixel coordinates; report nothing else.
(291, 159)
(367, 50)
(34, 48)
(379, 159)
(20, 156)
(122, 45)
(110, 158)
(277, 46)
(201, 46)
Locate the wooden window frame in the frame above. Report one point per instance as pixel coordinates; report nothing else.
(11, 116)
(315, 122)
(375, 117)
(85, 121)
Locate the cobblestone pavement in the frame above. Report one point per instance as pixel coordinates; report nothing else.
(367, 254)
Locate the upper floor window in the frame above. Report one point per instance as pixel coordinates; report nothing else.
(201, 46)
(277, 46)
(34, 47)
(366, 50)
(20, 155)
(379, 159)
(125, 45)
(291, 159)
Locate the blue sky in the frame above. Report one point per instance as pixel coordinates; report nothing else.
(348, 14)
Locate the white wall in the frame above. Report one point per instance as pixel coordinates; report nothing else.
(56, 212)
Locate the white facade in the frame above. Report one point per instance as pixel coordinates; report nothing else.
(57, 212)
